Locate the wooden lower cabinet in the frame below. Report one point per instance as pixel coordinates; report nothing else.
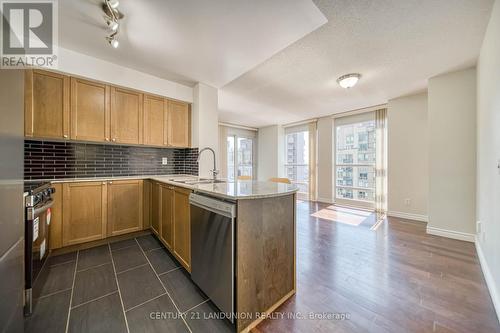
(167, 216)
(55, 238)
(170, 220)
(182, 227)
(155, 208)
(96, 210)
(125, 205)
(84, 212)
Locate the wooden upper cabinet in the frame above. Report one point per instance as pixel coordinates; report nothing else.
(60, 107)
(126, 116)
(90, 110)
(84, 212)
(125, 206)
(167, 216)
(47, 104)
(155, 121)
(178, 124)
(182, 227)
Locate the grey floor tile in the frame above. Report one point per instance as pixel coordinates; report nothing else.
(128, 257)
(122, 244)
(149, 242)
(183, 291)
(103, 315)
(53, 279)
(49, 314)
(94, 256)
(139, 285)
(161, 260)
(139, 319)
(62, 258)
(207, 318)
(94, 282)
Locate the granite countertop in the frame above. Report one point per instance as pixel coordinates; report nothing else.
(237, 190)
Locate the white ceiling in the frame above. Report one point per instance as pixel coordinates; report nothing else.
(395, 44)
(189, 41)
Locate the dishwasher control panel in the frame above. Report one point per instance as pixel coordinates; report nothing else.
(213, 204)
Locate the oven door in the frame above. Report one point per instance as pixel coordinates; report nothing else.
(36, 245)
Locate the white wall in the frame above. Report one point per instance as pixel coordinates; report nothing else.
(488, 156)
(452, 154)
(270, 152)
(205, 125)
(408, 150)
(75, 63)
(325, 160)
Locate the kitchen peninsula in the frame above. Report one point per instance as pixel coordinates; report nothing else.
(264, 232)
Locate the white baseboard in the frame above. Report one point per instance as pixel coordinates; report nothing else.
(451, 234)
(409, 216)
(490, 281)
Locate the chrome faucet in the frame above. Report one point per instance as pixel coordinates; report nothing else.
(214, 172)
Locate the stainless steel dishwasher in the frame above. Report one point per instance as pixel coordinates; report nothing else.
(212, 249)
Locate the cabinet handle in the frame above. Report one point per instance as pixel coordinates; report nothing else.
(107, 139)
(103, 183)
(110, 183)
(65, 136)
(114, 139)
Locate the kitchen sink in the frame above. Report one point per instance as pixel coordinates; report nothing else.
(205, 181)
(196, 181)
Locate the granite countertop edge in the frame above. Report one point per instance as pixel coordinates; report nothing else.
(197, 188)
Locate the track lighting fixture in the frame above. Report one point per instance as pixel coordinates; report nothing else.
(112, 17)
(112, 25)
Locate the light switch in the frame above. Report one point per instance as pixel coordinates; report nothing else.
(164, 161)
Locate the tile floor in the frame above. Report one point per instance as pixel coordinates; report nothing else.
(133, 285)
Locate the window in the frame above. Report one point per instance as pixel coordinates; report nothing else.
(355, 159)
(297, 160)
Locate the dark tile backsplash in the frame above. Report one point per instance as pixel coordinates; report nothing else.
(55, 160)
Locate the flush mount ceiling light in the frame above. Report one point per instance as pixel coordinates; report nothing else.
(112, 17)
(349, 80)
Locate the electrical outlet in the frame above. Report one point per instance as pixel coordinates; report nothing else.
(478, 227)
(164, 161)
(407, 201)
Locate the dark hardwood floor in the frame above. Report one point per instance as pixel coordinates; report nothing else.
(391, 277)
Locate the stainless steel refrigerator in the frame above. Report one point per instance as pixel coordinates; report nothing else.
(11, 200)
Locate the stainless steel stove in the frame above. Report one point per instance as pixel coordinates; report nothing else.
(38, 203)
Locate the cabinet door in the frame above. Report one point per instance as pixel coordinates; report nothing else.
(155, 208)
(46, 105)
(155, 121)
(84, 212)
(124, 206)
(182, 227)
(178, 124)
(90, 104)
(146, 200)
(55, 227)
(126, 116)
(167, 216)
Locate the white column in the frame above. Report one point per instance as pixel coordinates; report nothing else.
(205, 125)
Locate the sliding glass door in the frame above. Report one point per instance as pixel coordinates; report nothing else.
(355, 160)
(240, 157)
